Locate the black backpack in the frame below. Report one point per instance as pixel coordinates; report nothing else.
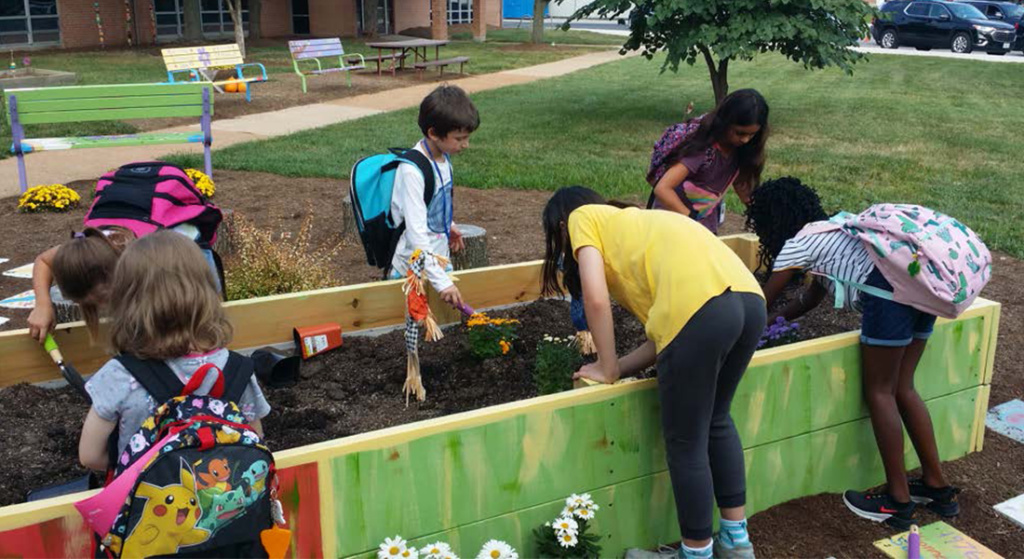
(370, 190)
(211, 488)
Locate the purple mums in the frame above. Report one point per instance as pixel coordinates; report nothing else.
(779, 333)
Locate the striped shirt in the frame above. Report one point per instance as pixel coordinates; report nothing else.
(834, 254)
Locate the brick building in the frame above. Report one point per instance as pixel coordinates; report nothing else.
(78, 23)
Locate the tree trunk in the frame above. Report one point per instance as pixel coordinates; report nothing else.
(537, 37)
(235, 9)
(370, 16)
(255, 19)
(719, 74)
(193, 20)
(475, 253)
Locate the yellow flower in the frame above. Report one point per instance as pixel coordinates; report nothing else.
(505, 347)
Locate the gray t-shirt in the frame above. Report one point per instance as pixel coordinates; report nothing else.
(117, 396)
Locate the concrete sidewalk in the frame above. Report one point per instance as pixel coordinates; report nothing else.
(50, 167)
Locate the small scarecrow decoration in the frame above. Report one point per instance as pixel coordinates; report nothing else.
(584, 340)
(418, 315)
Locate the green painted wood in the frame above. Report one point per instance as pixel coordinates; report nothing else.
(92, 91)
(640, 511)
(111, 114)
(158, 138)
(801, 394)
(151, 101)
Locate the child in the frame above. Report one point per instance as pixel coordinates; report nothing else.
(447, 118)
(893, 338)
(703, 312)
(164, 305)
(726, 149)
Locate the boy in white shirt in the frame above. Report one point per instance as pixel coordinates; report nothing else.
(447, 118)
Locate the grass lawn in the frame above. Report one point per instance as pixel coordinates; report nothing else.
(146, 66)
(928, 131)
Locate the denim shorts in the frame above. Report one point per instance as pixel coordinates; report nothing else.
(888, 323)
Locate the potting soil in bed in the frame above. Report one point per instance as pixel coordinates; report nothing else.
(354, 389)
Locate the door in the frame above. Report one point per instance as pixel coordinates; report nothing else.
(939, 31)
(385, 17)
(300, 17)
(915, 20)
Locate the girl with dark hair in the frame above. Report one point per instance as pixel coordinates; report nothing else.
(727, 148)
(703, 313)
(893, 339)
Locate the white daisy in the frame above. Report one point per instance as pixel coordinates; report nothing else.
(411, 553)
(568, 511)
(566, 524)
(449, 555)
(585, 514)
(496, 549)
(567, 539)
(580, 501)
(392, 548)
(436, 550)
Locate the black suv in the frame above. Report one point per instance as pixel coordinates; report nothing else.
(1007, 12)
(927, 24)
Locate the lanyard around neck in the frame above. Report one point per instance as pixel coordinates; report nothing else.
(437, 169)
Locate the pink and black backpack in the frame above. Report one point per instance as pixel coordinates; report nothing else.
(147, 196)
(935, 263)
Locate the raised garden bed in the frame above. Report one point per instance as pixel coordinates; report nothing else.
(501, 470)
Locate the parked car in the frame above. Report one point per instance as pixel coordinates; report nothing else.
(1007, 12)
(936, 24)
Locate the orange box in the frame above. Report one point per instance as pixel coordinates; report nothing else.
(314, 340)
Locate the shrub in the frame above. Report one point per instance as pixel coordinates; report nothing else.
(557, 360)
(48, 198)
(491, 337)
(263, 266)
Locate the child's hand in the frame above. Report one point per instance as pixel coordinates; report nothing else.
(599, 372)
(41, 322)
(455, 240)
(452, 296)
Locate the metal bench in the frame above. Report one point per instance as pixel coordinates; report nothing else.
(440, 64)
(107, 102)
(316, 49)
(201, 65)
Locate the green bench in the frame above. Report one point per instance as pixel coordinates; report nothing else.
(107, 102)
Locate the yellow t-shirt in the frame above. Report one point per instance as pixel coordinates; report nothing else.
(660, 265)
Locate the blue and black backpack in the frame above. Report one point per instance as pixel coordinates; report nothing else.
(370, 190)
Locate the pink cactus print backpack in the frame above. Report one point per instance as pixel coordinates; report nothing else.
(935, 263)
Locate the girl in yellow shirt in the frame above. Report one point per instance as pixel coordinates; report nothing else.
(703, 312)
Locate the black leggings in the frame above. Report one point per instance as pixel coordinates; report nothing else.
(697, 376)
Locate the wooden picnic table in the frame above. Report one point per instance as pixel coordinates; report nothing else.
(415, 46)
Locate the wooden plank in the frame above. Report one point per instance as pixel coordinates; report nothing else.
(992, 336)
(181, 51)
(112, 114)
(452, 485)
(97, 91)
(202, 64)
(72, 105)
(159, 138)
(318, 54)
(314, 42)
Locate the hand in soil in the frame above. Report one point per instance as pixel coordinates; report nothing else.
(598, 372)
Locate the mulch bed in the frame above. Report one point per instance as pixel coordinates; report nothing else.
(41, 451)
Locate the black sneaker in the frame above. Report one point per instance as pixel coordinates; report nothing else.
(941, 501)
(880, 507)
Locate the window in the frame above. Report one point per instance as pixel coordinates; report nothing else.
(26, 22)
(994, 12)
(938, 11)
(216, 18)
(917, 9)
(460, 11)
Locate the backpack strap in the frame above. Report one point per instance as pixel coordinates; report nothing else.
(237, 372)
(421, 162)
(841, 293)
(154, 375)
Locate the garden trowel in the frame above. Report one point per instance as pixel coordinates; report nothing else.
(70, 374)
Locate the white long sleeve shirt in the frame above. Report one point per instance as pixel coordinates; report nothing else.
(407, 207)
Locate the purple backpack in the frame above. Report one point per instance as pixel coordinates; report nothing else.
(935, 263)
(671, 139)
(144, 197)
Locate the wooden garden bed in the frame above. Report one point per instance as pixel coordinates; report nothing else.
(500, 471)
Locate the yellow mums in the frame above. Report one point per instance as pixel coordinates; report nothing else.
(203, 182)
(491, 337)
(48, 197)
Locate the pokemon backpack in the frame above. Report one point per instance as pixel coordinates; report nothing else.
(210, 489)
(935, 263)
